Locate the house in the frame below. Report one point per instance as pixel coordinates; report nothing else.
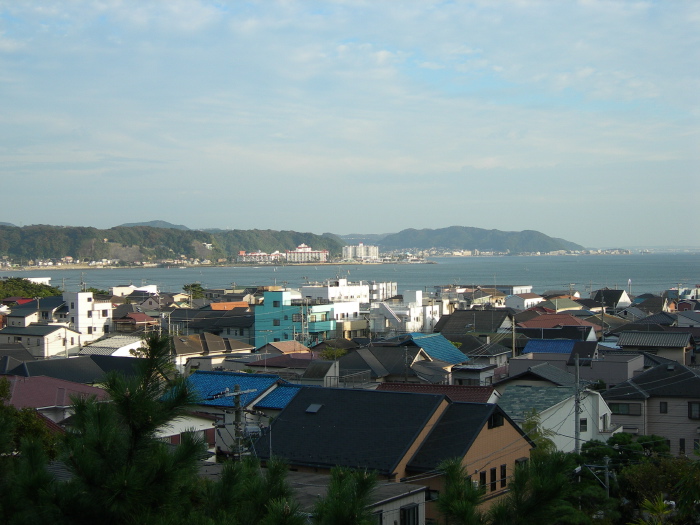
(609, 368)
(614, 299)
(671, 345)
(43, 341)
(88, 369)
(461, 393)
(664, 400)
(542, 374)
(135, 322)
(51, 397)
(218, 397)
(115, 345)
(377, 364)
(523, 301)
(474, 322)
(555, 407)
(410, 313)
(559, 320)
(398, 435)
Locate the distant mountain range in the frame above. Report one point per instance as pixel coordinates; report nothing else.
(465, 238)
(163, 240)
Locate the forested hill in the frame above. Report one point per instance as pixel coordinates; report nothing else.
(142, 243)
(465, 238)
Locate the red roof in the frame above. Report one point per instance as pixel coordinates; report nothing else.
(42, 391)
(463, 393)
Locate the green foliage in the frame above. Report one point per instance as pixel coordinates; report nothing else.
(332, 353)
(53, 242)
(542, 437)
(346, 502)
(247, 494)
(539, 492)
(19, 424)
(459, 499)
(456, 344)
(19, 287)
(654, 512)
(195, 290)
(97, 291)
(645, 480)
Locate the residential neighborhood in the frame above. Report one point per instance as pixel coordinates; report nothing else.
(354, 375)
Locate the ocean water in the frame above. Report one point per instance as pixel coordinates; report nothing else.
(641, 273)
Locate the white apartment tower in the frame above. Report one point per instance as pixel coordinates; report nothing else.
(89, 317)
(362, 252)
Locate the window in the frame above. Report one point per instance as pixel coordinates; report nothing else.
(89, 299)
(626, 409)
(275, 322)
(409, 515)
(105, 313)
(663, 407)
(496, 420)
(681, 446)
(504, 476)
(378, 517)
(493, 480)
(89, 314)
(312, 318)
(72, 306)
(583, 425)
(286, 318)
(275, 304)
(89, 329)
(694, 410)
(482, 479)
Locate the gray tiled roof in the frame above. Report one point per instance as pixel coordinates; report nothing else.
(666, 380)
(654, 339)
(518, 400)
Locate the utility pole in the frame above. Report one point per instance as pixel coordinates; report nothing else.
(607, 475)
(577, 411)
(237, 409)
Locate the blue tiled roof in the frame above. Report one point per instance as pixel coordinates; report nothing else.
(438, 347)
(208, 384)
(549, 346)
(279, 397)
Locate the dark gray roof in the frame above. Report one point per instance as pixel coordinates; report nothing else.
(609, 297)
(453, 435)
(462, 322)
(317, 369)
(662, 318)
(546, 372)
(87, 369)
(667, 380)
(654, 339)
(35, 330)
(324, 427)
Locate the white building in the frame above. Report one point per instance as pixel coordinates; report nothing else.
(304, 253)
(555, 408)
(124, 290)
(414, 314)
(86, 315)
(523, 301)
(362, 252)
(338, 290)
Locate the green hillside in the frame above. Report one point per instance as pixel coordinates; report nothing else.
(466, 238)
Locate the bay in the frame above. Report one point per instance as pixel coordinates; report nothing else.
(649, 273)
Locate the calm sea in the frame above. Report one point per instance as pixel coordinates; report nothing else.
(648, 273)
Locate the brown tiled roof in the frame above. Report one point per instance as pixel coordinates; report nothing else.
(461, 393)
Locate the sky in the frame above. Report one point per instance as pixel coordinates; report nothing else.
(578, 119)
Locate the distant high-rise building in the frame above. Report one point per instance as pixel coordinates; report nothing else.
(365, 253)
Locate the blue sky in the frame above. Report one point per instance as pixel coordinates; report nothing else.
(579, 119)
